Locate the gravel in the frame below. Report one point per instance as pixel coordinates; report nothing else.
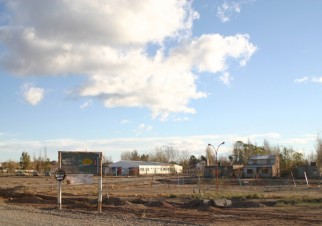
(23, 215)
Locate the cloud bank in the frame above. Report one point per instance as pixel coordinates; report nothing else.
(110, 43)
(114, 147)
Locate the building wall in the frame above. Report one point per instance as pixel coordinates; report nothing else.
(125, 168)
(265, 168)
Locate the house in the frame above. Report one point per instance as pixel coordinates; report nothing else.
(262, 166)
(211, 171)
(135, 168)
(235, 171)
(223, 171)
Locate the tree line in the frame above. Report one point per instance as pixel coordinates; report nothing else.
(289, 158)
(40, 163)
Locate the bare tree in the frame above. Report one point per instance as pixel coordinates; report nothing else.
(126, 155)
(318, 149)
(159, 156)
(107, 159)
(11, 165)
(170, 153)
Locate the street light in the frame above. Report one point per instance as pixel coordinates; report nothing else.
(216, 150)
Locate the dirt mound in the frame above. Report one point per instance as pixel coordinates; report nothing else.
(12, 192)
(29, 199)
(248, 204)
(140, 201)
(113, 201)
(159, 204)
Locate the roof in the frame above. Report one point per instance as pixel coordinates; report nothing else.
(262, 157)
(129, 163)
(257, 166)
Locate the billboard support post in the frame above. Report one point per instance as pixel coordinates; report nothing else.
(100, 186)
(59, 183)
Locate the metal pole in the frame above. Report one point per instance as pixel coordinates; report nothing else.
(59, 183)
(217, 177)
(100, 186)
(217, 164)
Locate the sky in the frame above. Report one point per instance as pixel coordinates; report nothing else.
(113, 76)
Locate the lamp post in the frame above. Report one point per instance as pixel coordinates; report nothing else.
(216, 150)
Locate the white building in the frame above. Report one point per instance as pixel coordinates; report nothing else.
(127, 167)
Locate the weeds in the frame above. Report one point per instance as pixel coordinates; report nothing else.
(300, 202)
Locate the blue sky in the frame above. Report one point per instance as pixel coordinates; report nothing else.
(116, 76)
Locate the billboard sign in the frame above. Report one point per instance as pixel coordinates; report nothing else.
(81, 162)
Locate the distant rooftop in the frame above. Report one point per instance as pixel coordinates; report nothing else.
(261, 157)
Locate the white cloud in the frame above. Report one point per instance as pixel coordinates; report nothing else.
(124, 121)
(110, 49)
(308, 79)
(305, 139)
(180, 119)
(226, 78)
(32, 94)
(317, 79)
(227, 9)
(142, 129)
(300, 80)
(86, 104)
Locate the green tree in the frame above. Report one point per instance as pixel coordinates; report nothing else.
(145, 158)
(135, 156)
(290, 160)
(231, 159)
(202, 158)
(193, 161)
(238, 152)
(242, 151)
(25, 161)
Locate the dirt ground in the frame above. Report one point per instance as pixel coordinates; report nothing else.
(178, 200)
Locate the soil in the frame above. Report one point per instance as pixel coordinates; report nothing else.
(266, 203)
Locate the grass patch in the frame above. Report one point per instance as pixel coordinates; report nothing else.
(172, 196)
(300, 202)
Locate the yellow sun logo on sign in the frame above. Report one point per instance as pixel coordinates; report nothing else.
(87, 161)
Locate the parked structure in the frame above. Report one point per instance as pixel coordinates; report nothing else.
(311, 171)
(262, 166)
(211, 171)
(235, 171)
(134, 168)
(3, 169)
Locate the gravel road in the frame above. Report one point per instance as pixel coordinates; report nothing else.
(15, 215)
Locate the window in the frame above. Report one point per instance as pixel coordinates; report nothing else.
(250, 171)
(264, 170)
